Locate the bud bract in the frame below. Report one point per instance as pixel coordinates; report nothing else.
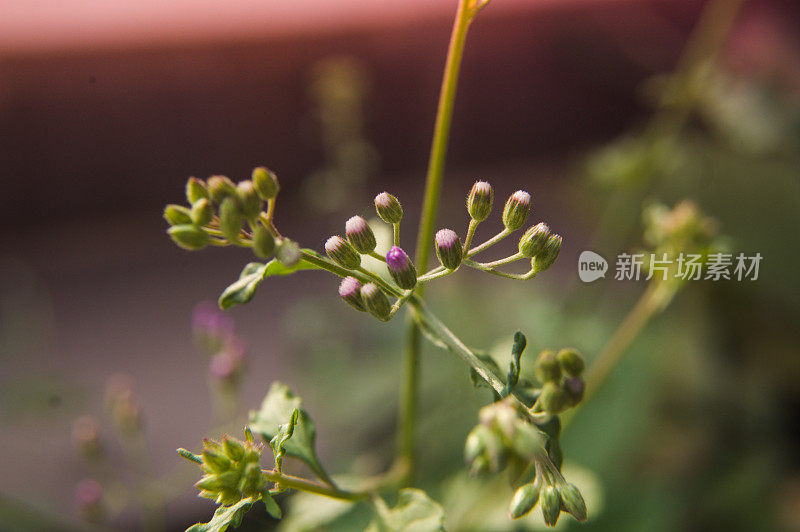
(350, 291)
(342, 253)
(401, 268)
(533, 241)
(449, 249)
(551, 505)
(202, 212)
(263, 241)
(230, 218)
(220, 187)
(571, 362)
(548, 255)
(360, 235)
(547, 367)
(388, 208)
(573, 502)
(248, 197)
(266, 182)
(523, 501)
(516, 210)
(479, 201)
(177, 214)
(553, 398)
(195, 190)
(189, 236)
(376, 302)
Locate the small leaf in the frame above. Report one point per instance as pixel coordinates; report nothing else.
(415, 511)
(477, 380)
(272, 507)
(514, 367)
(243, 290)
(224, 517)
(278, 443)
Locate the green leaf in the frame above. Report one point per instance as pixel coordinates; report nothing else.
(415, 511)
(224, 517)
(278, 443)
(277, 409)
(514, 367)
(308, 512)
(272, 507)
(477, 380)
(243, 290)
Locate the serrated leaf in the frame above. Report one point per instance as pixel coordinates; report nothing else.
(244, 288)
(414, 512)
(277, 409)
(278, 443)
(224, 517)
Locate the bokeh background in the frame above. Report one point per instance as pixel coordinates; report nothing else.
(107, 107)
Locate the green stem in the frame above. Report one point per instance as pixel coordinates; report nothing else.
(290, 482)
(473, 225)
(500, 262)
(487, 269)
(396, 232)
(489, 243)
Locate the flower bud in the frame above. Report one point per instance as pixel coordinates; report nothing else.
(571, 362)
(547, 368)
(177, 214)
(476, 443)
(234, 449)
(548, 255)
(389, 208)
(553, 398)
(360, 235)
(574, 388)
(195, 190)
(449, 249)
(342, 253)
(202, 212)
(401, 268)
(189, 236)
(86, 437)
(350, 291)
(215, 461)
(572, 501)
(479, 201)
(515, 213)
(533, 241)
(551, 505)
(89, 500)
(252, 480)
(287, 252)
(266, 182)
(230, 218)
(220, 187)
(263, 241)
(249, 200)
(209, 483)
(523, 501)
(376, 302)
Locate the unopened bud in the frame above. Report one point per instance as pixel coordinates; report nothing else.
(551, 505)
(572, 501)
(263, 241)
(515, 213)
(215, 461)
(476, 443)
(376, 302)
(89, 500)
(548, 255)
(350, 291)
(449, 249)
(195, 190)
(252, 480)
(220, 187)
(86, 437)
(533, 241)
(574, 388)
(401, 268)
(189, 236)
(553, 398)
(342, 253)
(248, 197)
(202, 212)
(523, 501)
(547, 367)
(571, 362)
(287, 252)
(479, 201)
(230, 218)
(389, 208)
(266, 182)
(360, 235)
(177, 214)
(209, 483)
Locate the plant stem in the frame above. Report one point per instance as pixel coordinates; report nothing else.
(489, 243)
(430, 204)
(288, 481)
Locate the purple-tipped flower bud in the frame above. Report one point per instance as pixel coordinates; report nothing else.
(551, 505)
(401, 268)
(195, 190)
(342, 253)
(202, 212)
(376, 302)
(248, 198)
(548, 255)
(266, 182)
(449, 249)
(389, 208)
(572, 501)
(189, 236)
(574, 387)
(263, 241)
(516, 210)
(360, 235)
(177, 214)
(230, 218)
(220, 187)
(350, 291)
(479, 201)
(533, 241)
(523, 501)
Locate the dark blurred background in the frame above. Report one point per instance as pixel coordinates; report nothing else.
(107, 108)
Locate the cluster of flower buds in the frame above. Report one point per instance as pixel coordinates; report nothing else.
(560, 375)
(553, 495)
(222, 212)
(232, 470)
